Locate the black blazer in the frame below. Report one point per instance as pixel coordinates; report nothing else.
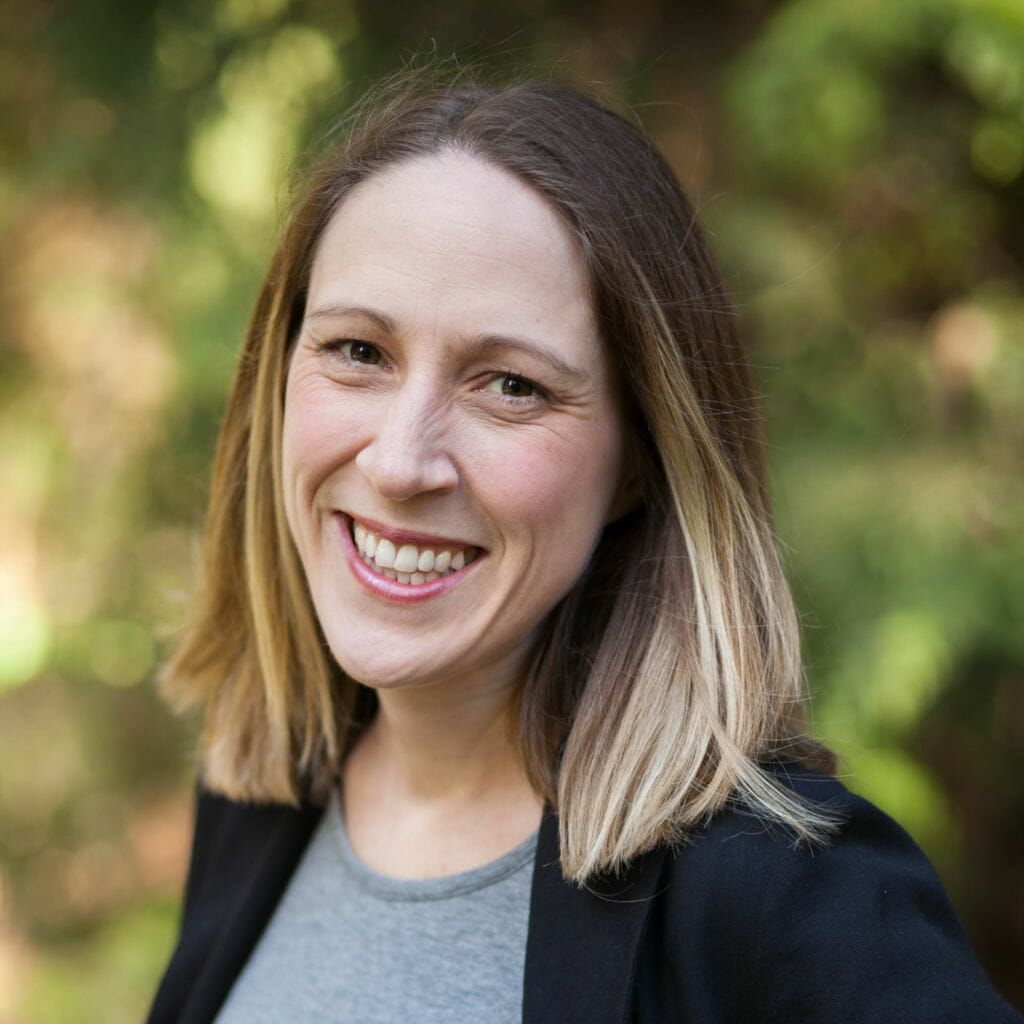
(737, 925)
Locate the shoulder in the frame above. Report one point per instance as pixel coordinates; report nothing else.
(231, 834)
(858, 929)
(739, 846)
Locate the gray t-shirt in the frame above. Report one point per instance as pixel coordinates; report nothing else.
(347, 944)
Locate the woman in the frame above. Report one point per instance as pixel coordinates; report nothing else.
(489, 575)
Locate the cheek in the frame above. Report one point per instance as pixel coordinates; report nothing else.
(563, 489)
(311, 444)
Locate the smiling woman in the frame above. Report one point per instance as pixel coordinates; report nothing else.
(493, 641)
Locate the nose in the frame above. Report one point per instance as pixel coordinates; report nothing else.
(408, 450)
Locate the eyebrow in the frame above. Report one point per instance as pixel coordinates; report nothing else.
(335, 310)
(473, 345)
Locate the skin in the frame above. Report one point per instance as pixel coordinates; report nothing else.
(448, 384)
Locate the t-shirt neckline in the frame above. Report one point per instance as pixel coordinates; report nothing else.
(414, 890)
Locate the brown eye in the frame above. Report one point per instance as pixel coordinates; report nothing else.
(361, 352)
(512, 387)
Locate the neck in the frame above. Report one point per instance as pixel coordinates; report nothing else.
(437, 784)
(449, 751)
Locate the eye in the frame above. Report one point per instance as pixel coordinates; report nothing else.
(360, 352)
(512, 387)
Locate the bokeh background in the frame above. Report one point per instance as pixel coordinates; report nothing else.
(860, 167)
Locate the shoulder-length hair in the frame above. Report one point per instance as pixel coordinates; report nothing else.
(670, 674)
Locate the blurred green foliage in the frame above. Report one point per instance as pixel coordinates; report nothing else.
(861, 169)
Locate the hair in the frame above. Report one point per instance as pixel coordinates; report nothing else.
(670, 676)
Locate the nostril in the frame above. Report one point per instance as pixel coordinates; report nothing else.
(400, 468)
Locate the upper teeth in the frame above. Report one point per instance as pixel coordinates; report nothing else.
(408, 563)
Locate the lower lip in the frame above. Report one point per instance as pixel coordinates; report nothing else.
(392, 590)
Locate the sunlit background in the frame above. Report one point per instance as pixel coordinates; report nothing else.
(861, 169)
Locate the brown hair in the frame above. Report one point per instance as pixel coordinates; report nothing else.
(671, 672)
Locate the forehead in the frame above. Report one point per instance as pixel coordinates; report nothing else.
(451, 227)
(461, 187)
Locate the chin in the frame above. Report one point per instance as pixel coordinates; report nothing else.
(383, 673)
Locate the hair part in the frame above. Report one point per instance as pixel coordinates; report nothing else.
(670, 674)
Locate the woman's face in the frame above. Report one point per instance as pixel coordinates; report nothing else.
(452, 441)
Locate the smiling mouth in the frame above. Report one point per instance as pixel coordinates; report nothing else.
(414, 564)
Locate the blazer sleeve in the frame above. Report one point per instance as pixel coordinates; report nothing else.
(858, 931)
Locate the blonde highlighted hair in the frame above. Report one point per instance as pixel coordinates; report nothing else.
(669, 677)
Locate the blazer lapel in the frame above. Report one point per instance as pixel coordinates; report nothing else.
(582, 944)
(245, 856)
